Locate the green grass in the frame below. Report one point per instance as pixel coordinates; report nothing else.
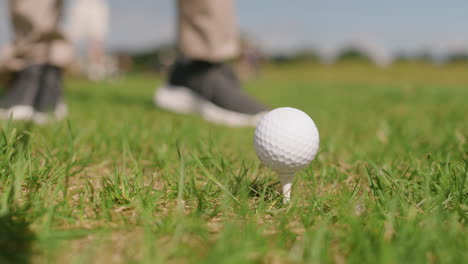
(123, 182)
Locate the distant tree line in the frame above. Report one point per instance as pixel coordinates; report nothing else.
(354, 54)
(160, 58)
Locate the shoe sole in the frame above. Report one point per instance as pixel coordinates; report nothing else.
(18, 113)
(182, 100)
(59, 113)
(27, 113)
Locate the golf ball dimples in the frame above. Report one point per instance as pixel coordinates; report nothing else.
(286, 140)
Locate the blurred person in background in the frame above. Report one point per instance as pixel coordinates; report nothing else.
(200, 81)
(89, 22)
(34, 61)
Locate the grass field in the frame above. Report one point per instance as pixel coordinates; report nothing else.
(123, 182)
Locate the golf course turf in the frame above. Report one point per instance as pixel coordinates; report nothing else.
(120, 181)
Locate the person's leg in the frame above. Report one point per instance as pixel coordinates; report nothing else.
(98, 60)
(37, 37)
(207, 30)
(89, 21)
(201, 82)
(98, 35)
(38, 46)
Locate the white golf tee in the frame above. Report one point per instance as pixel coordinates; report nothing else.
(286, 180)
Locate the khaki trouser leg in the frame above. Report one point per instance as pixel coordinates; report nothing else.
(207, 29)
(37, 37)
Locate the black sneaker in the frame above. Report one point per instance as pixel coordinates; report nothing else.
(49, 103)
(18, 101)
(211, 90)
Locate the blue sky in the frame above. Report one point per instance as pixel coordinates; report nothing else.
(279, 25)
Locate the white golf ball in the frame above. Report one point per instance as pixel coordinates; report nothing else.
(286, 140)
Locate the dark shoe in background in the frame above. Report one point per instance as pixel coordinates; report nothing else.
(18, 101)
(35, 94)
(49, 103)
(211, 90)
